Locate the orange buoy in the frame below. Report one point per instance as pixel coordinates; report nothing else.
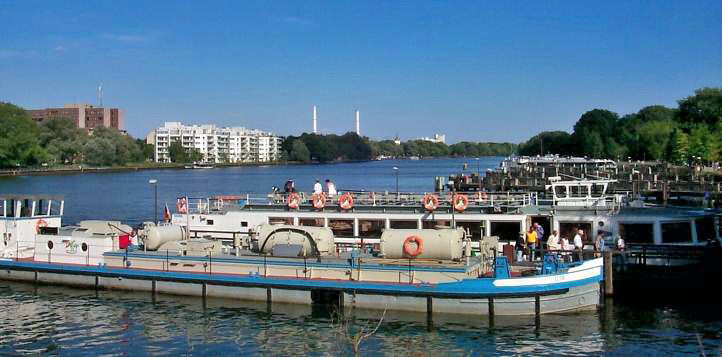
(39, 224)
(346, 201)
(294, 200)
(417, 242)
(319, 200)
(431, 202)
(460, 202)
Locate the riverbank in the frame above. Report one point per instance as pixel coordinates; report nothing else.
(78, 169)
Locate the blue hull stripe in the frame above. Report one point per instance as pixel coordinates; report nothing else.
(465, 289)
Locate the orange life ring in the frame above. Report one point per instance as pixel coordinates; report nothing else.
(39, 224)
(294, 200)
(346, 201)
(460, 202)
(319, 200)
(416, 240)
(431, 202)
(182, 205)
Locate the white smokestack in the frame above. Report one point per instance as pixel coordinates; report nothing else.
(358, 123)
(315, 131)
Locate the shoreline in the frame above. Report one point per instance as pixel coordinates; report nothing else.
(90, 170)
(79, 169)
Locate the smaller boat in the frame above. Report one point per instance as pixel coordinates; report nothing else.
(199, 166)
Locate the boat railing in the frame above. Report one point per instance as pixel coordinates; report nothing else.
(395, 199)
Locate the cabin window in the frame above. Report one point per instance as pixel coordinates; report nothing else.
(370, 228)
(473, 228)
(506, 231)
(209, 222)
(705, 229)
(2, 208)
(560, 191)
(637, 232)
(341, 227)
(569, 229)
(676, 232)
(399, 224)
(310, 222)
(431, 224)
(50, 245)
(84, 247)
(597, 190)
(244, 224)
(280, 220)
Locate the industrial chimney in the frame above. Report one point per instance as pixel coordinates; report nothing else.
(358, 123)
(315, 131)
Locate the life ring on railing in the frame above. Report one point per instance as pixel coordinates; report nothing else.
(460, 202)
(319, 200)
(294, 200)
(346, 201)
(431, 202)
(413, 251)
(40, 224)
(182, 205)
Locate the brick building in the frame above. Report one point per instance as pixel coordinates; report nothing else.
(85, 116)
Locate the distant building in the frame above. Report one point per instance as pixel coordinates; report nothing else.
(397, 140)
(217, 145)
(85, 116)
(438, 138)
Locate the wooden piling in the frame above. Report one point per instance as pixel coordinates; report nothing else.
(608, 273)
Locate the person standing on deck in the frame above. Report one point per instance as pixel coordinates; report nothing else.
(553, 241)
(317, 189)
(520, 247)
(539, 234)
(531, 239)
(331, 188)
(289, 187)
(579, 243)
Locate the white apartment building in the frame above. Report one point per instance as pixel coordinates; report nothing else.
(437, 138)
(217, 145)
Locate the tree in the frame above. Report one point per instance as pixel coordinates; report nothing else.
(678, 147)
(702, 147)
(19, 144)
(552, 142)
(654, 138)
(176, 152)
(705, 106)
(299, 152)
(593, 131)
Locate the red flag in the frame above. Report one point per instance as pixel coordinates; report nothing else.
(166, 213)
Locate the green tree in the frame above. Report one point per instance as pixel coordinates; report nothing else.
(299, 152)
(705, 106)
(678, 147)
(19, 144)
(594, 131)
(702, 147)
(176, 152)
(654, 138)
(552, 142)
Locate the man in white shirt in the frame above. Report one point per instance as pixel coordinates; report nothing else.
(331, 188)
(553, 241)
(578, 243)
(317, 189)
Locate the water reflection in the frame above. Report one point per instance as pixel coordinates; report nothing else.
(62, 320)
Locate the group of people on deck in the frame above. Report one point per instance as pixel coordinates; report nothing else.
(530, 242)
(330, 188)
(330, 191)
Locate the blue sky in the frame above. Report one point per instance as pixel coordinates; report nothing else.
(477, 70)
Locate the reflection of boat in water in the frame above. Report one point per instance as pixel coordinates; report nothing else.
(414, 158)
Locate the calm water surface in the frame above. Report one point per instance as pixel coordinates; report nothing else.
(66, 321)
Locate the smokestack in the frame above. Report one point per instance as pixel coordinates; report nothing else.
(358, 123)
(315, 131)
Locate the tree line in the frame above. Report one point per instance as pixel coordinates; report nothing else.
(350, 146)
(690, 133)
(25, 143)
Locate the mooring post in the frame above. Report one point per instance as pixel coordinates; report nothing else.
(537, 312)
(608, 273)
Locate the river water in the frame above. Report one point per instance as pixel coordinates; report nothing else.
(66, 321)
